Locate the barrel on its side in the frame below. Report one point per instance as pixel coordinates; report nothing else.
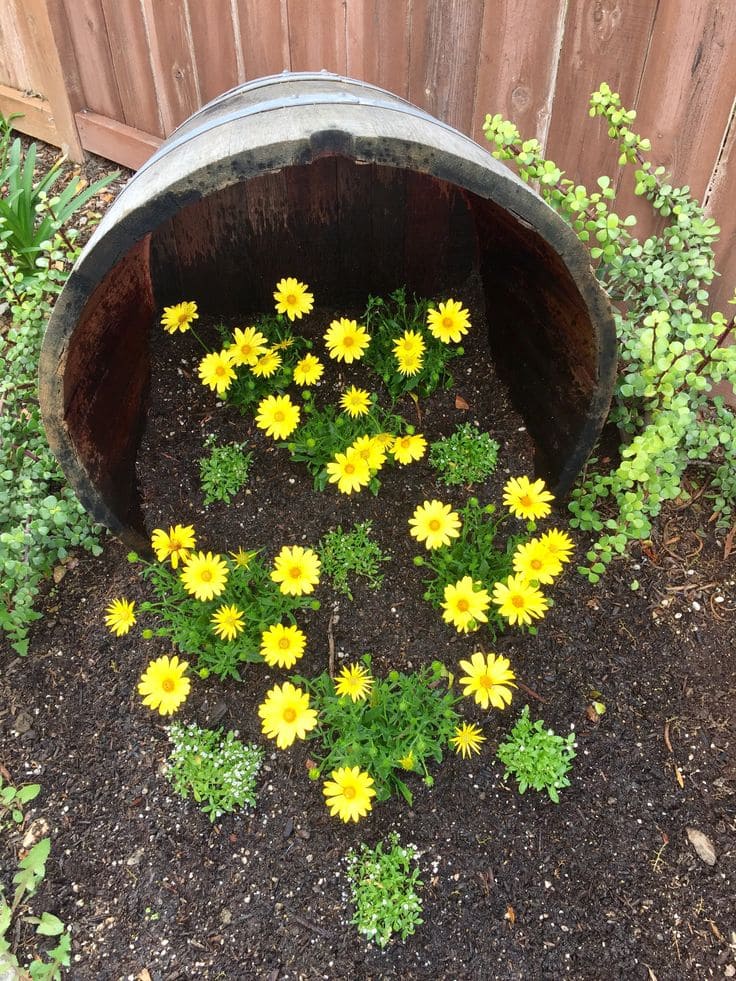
(355, 191)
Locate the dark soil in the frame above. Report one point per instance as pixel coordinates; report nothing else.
(604, 885)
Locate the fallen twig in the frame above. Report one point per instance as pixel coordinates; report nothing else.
(331, 644)
(530, 691)
(310, 926)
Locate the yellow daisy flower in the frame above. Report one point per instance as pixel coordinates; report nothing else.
(434, 523)
(286, 714)
(247, 346)
(518, 601)
(179, 317)
(243, 559)
(293, 298)
(354, 681)
(408, 350)
(278, 416)
(163, 684)
(489, 679)
(405, 449)
(410, 342)
(407, 762)
(296, 570)
(465, 605)
(532, 561)
(228, 622)
(204, 576)
(356, 402)
(349, 471)
(558, 544)
(409, 364)
(346, 341)
(281, 647)
(348, 794)
(176, 545)
(309, 370)
(384, 440)
(449, 322)
(467, 739)
(370, 448)
(120, 616)
(268, 364)
(527, 500)
(216, 371)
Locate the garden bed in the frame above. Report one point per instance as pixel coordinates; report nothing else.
(604, 884)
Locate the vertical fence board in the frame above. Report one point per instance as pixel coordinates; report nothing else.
(605, 41)
(720, 205)
(129, 47)
(14, 68)
(317, 35)
(692, 58)
(264, 37)
(60, 87)
(377, 33)
(445, 42)
(172, 60)
(213, 38)
(518, 57)
(88, 30)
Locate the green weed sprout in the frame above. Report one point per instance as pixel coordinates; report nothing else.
(13, 799)
(351, 552)
(31, 873)
(224, 471)
(466, 457)
(537, 757)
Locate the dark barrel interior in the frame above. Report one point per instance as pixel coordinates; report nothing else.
(356, 192)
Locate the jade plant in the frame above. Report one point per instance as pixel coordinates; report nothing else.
(672, 352)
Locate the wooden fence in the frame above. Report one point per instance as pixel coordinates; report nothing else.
(116, 76)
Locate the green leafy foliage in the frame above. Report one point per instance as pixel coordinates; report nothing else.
(405, 722)
(31, 872)
(187, 621)
(466, 457)
(41, 520)
(475, 553)
(354, 552)
(672, 353)
(218, 771)
(537, 757)
(224, 471)
(329, 430)
(386, 319)
(31, 215)
(13, 799)
(384, 890)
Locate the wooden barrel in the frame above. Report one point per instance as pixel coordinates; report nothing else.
(355, 191)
